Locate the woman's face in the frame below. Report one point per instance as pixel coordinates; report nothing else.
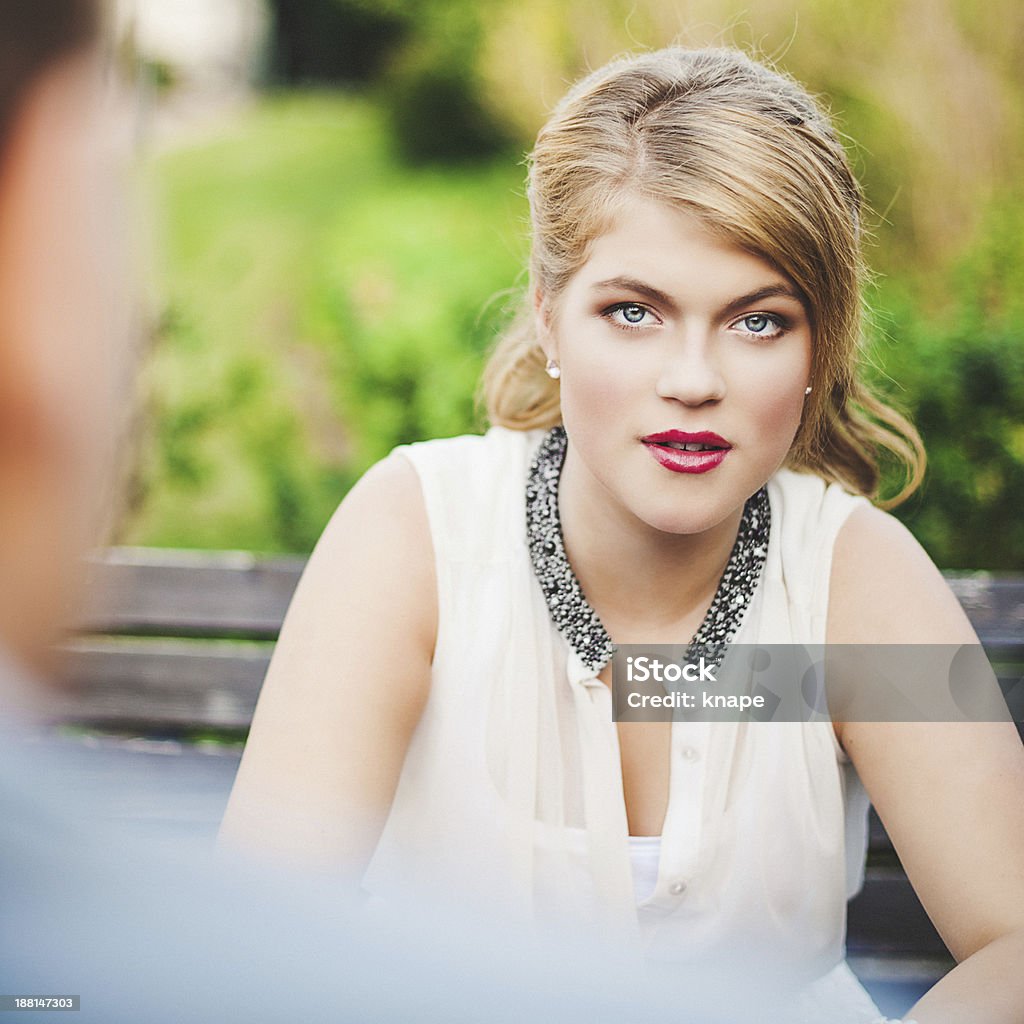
(669, 335)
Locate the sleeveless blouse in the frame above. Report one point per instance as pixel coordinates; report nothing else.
(511, 791)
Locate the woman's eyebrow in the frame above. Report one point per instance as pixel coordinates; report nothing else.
(631, 284)
(771, 291)
(778, 290)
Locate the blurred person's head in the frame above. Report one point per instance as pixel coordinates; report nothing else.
(746, 150)
(61, 310)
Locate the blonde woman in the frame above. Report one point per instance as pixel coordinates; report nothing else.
(681, 448)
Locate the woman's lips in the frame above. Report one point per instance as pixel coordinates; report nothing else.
(666, 447)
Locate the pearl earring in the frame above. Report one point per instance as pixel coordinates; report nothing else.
(807, 390)
(553, 370)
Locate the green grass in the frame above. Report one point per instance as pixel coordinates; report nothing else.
(320, 305)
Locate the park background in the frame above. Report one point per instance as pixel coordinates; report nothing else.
(339, 230)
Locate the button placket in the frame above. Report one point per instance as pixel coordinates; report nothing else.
(604, 802)
(681, 835)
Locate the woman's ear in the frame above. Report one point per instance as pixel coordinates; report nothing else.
(542, 323)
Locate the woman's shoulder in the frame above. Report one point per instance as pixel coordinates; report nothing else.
(439, 475)
(380, 521)
(494, 452)
(473, 489)
(885, 588)
(808, 513)
(879, 584)
(802, 491)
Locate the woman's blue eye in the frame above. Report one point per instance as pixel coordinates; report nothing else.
(762, 324)
(628, 314)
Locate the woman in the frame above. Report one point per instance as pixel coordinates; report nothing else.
(696, 461)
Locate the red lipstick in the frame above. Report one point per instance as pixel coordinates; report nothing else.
(706, 450)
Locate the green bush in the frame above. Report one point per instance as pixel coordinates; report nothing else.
(958, 369)
(323, 304)
(331, 41)
(437, 116)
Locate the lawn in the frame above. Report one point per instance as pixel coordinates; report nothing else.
(317, 304)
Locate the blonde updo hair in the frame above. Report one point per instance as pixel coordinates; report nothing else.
(745, 148)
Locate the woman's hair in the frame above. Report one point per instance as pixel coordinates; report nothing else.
(34, 34)
(747, 150)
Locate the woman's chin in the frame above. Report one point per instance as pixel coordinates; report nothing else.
(697, 519)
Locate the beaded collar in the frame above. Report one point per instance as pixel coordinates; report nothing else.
(570, 612)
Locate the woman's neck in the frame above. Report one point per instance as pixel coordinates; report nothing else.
(641, 581)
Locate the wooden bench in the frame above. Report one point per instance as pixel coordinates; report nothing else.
(176, 642)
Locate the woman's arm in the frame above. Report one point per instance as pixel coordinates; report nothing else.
(346, 686)
(951, 795)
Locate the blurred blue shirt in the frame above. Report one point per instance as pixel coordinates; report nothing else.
(143, 932)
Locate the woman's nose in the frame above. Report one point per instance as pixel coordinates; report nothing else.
(689, 371)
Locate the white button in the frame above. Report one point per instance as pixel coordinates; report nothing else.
(677, 888)
(689, 753)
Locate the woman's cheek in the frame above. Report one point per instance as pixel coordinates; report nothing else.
(779, 406)
(593, 394)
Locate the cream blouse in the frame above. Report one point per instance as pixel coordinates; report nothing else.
(511, 790)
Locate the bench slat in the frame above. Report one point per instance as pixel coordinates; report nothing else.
(163, 683)
(183, 593)
(994, 604)
(199, 593)
(887, 917)
(921, 972)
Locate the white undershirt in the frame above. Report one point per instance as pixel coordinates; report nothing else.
(644, 854)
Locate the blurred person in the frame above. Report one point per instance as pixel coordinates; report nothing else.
(86, 910)
(63, 314)
(682, 445)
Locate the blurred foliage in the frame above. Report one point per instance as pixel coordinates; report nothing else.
(160, 75)
(317, 42)
(958, 369)
(323, 303)
(927, 92)
(332, 259)
(434, 91)
(436, 116)
(423, 54)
